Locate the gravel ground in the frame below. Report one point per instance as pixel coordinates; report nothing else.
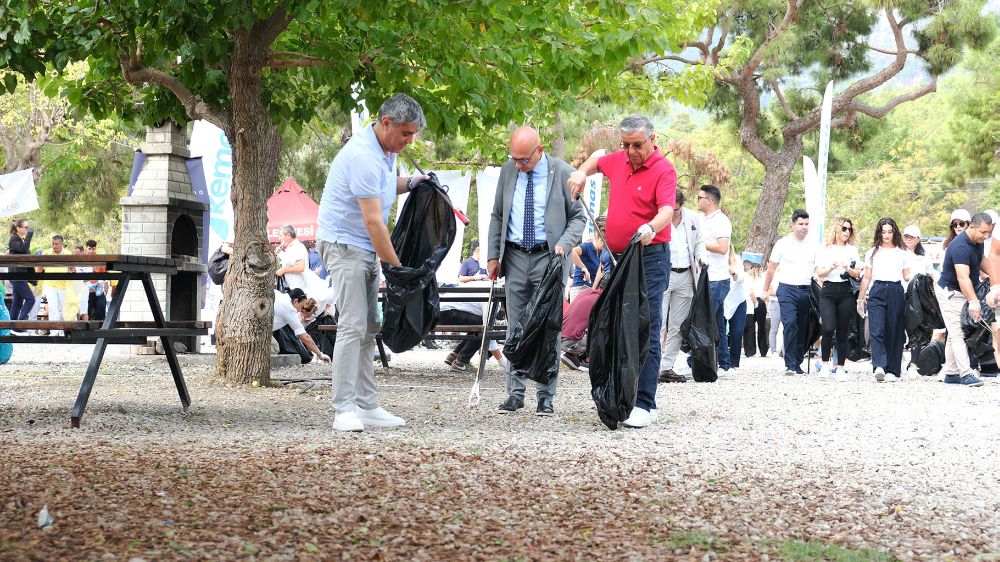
(756, 466)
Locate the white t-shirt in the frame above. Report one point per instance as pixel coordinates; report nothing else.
(294, 252)
(843, 255)
(714, 226)
(796, 260)
(285, 314)
(679, 246)
(887, 265)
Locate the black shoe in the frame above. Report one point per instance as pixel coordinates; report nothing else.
(511, 405)
(670, 376)
(450, 358)
(459, 366)
(429, 344)
(544, 407)
(571, 361)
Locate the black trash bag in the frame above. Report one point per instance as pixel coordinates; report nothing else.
(922, 314)
(857, 347)
(618, 339)
(290, 344)
(534, 343)
(701, 332)
(218, 266)
(978, 337)
(325, 340)
(931, 359)
(815, 321)
(422, 237)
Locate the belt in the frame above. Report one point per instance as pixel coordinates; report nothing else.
(796, 286)
(679, 269)
(646, 250)
(538, 248)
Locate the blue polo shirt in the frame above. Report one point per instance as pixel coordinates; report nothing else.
(960, 251)
(361, 170)
(588, 255)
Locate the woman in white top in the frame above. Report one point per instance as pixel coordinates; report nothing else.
(887, 267)
(836, 264)
(920, 263)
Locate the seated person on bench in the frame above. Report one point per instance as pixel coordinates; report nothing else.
(468, 314)
(574, 328)
(286, 314)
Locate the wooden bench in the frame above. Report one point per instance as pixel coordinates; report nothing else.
(124, 269)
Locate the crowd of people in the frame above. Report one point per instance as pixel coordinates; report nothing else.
(62, 300)
(814, 294)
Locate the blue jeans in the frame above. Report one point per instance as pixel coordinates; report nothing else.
(23, 301)
(718, 291)
(736, 325)
(793, 300)
(657, 270)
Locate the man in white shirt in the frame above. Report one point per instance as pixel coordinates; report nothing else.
(687, 253)
(796, 258)
(717, 230)
(294, 258)
(286, 313)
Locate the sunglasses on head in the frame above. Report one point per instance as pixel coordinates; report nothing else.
(963, 224)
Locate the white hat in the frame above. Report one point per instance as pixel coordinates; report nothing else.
(912, 230)
(961, 215)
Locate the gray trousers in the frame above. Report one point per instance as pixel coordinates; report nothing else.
(676, 306)
(354, 272)
(522, 274)
(774, 311)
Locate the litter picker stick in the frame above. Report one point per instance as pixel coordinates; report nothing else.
(458, 212)
(487, 322)
(600, 233)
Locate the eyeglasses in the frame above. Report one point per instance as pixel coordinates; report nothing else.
(963, 224)
(634, 145)
(846, 229)
(700, 197)
(525, 161)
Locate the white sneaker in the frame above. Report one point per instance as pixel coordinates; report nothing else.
(505, 364)
(842, 374)
(653, 416)
(723, 372)
(825, 371)
(379, 417)
(347, 421)
(880, 374)
(789, 373)
(638, 419)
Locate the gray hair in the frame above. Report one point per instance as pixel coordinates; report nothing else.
(980, 218)
(635, 123)
(401, 109)
(288, 229)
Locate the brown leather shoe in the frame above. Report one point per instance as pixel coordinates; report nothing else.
(670, 376)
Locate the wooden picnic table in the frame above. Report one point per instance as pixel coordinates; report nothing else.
(117, 267)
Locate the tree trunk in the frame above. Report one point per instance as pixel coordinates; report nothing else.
(763, 231)
(243, 326)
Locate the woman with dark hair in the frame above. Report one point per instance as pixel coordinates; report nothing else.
(887, 268)
(20, 244)
(960, 219)
(836, 265)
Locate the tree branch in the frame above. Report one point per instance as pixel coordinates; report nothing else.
(781, 99)
(722, 39)
(287, 59)
(880, 112)
(194, 107)
(790, 10)
(887, 51)
(660, 58)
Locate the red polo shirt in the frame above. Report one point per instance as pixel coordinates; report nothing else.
(636, 196)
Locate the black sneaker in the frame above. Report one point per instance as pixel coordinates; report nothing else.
(511, 405)
(450, 358)
(570, 361)
(459, 366)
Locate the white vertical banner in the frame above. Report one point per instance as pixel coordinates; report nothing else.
(17, 193)
(814, 200)
(209, 142)
(818, 221)
(486, 193)
(592, 198)
(457, 183)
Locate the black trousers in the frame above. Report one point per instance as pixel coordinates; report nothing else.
(97, 306)
(755, 331)
(465, 348)
(837, 305)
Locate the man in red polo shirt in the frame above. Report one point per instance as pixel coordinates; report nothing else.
(640, 201)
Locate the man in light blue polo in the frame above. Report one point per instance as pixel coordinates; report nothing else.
(352, 237)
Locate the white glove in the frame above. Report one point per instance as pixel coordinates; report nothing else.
(975, 310)
(646, 234)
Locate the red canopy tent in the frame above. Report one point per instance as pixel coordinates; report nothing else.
(290, 204)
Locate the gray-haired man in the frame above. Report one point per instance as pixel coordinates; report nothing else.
(352, 237)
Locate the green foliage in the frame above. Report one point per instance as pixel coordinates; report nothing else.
(816, 551)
